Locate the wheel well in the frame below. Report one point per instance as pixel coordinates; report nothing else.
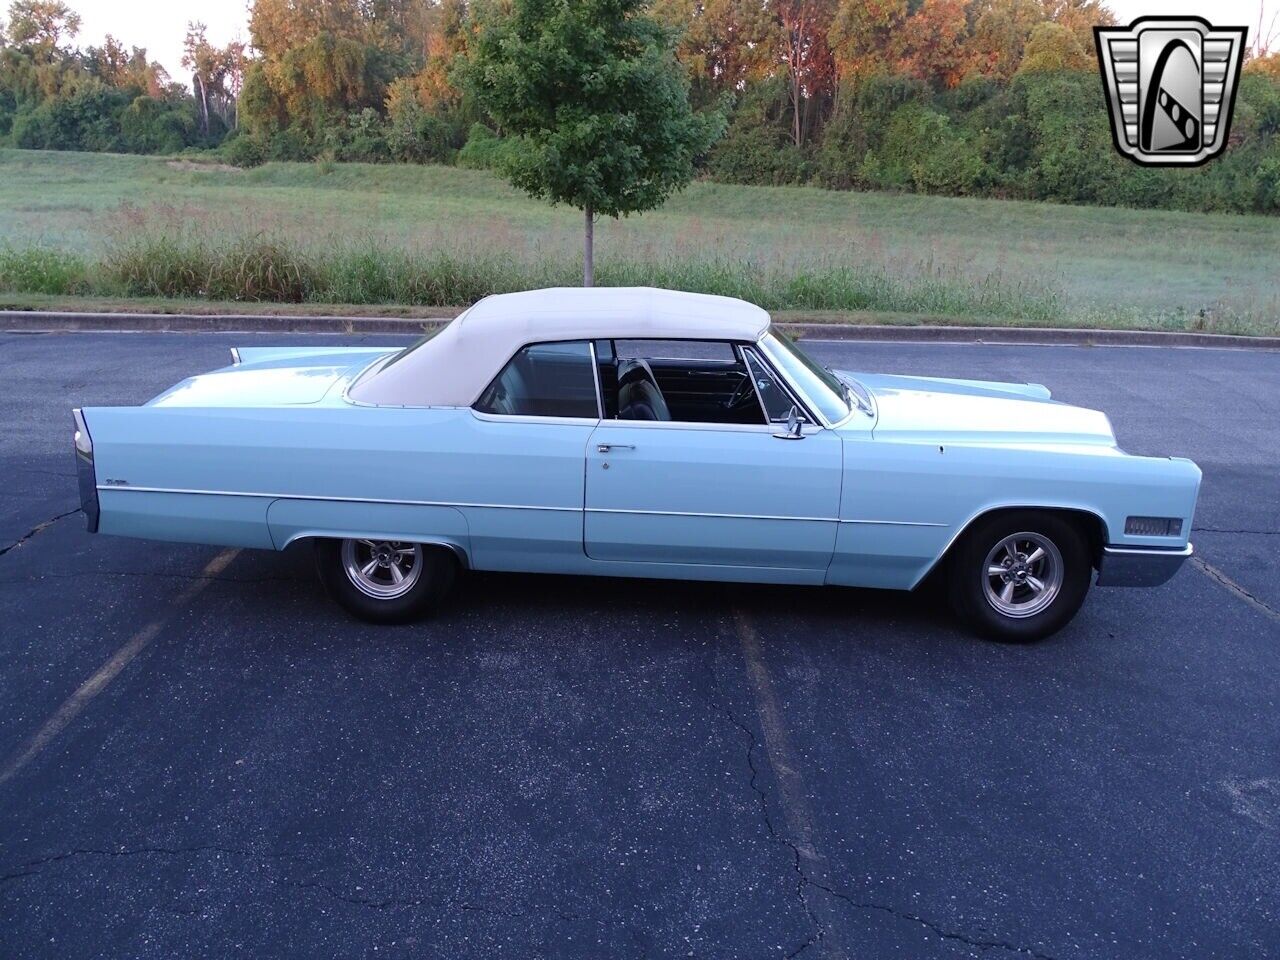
(1090, 524)
(464, 562)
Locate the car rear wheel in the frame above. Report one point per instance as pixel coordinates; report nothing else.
(1020, 576)
(385, 581)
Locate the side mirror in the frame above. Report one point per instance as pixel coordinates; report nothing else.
(795, 426)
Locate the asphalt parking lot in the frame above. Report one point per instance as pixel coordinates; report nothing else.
(200, 756)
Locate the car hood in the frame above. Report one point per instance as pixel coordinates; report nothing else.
(272, 377)
(925, 408)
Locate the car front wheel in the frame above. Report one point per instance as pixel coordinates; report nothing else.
(385, 581)
(1020, 576)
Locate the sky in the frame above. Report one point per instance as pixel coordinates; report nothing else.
(159, 25)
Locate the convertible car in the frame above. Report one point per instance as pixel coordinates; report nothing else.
(638, 433)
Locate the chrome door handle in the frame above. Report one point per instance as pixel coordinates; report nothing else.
(606, 447)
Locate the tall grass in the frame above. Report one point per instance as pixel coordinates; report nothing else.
(262, 268)
(265, 268)
(42, 270)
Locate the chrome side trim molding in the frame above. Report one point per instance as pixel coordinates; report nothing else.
(460, 553)
(717, 516)
(1140, 566)
(500, 506)
(899, 523)
(307, 496)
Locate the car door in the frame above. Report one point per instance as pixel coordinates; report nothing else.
(524, 457)
(737, 495)
(727, 495)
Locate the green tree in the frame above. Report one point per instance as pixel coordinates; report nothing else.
(596, 105)
(1052, 46)
(43, 24)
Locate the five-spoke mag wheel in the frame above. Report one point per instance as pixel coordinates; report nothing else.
(385, 581)
(1024, 574)
(1020, 575)
(382, 569)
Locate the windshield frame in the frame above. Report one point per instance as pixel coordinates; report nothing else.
(824, 391)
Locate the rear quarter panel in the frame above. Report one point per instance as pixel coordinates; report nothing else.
(264, 477)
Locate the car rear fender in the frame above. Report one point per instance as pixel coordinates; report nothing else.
(292, 519)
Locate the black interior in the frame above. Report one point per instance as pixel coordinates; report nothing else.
(684, 390)
(703, 383)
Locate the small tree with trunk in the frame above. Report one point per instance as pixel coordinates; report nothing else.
(594, 102)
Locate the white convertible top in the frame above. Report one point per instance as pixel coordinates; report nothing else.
(453, 368)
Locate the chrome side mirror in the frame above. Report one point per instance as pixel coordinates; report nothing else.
(795, 426)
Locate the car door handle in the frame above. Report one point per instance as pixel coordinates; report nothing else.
(606, 447)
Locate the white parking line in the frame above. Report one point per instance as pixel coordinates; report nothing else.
(72, 706)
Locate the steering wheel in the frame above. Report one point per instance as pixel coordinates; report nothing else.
(741, 394)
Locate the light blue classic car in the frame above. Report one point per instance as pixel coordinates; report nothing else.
(638, 433)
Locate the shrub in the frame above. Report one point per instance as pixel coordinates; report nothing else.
(756, 148)
(245, 151)
(838, 163)
(150, 125)
(88, 119)
(922, 151)
(415, 135)
(484, 150)
(360, 139)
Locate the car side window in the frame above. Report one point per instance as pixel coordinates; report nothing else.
(776, 401)
(544, 380)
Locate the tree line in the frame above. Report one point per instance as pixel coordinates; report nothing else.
(959, 97)
(55, 95)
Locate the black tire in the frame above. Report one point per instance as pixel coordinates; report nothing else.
(967, 575)
(432, 583)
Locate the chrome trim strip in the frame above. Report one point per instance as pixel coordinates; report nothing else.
(798, 396)
(899, 523)
(595, 372)
(496, 506)
(503, 506)
(717, 516)
(460, 553)
(815, 414)
(689, 425)
(346, 391)
(524, 417)
(235, 356)
(307, 496)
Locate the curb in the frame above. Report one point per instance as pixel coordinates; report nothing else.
(1032, 336)
(39, 321)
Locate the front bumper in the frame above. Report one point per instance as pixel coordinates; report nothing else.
(1140, 566)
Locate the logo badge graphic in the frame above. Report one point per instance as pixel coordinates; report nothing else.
(1171, 87)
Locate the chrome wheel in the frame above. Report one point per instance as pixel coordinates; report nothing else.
(1023, 575)
(382, 569)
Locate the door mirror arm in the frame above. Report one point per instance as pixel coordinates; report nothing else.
(795, 427)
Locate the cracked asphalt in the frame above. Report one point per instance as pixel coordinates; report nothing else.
(559, 767)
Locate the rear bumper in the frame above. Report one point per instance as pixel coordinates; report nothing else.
(86, 475)
(1140, 566)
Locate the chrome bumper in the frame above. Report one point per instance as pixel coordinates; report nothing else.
(86, 475)
(1139, 566)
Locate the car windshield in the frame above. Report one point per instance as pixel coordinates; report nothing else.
(819, 384)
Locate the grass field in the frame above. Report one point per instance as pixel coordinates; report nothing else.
(426, 235)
